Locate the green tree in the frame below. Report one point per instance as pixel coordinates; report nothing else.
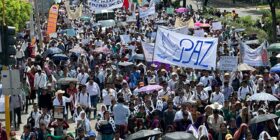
(17, 12)
(272, 5)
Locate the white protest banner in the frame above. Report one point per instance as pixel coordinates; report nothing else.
(148, 49)
(184, 50)
(217, 26)
(199, 33)
(182, 30)
(105, 4)
(146, 11)
(255, 57)
(125, 38)
(228, 63)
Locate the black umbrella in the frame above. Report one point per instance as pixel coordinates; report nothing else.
(178, 136)
(142, 134)
(263, 118)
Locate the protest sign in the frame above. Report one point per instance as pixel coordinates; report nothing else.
(228, 63)
(170, 10)
(217, 26)
(125, 38)
(105, 4)
(199, 33)
(184, 50)
(255, 57)
(148, 49)
(146, 11)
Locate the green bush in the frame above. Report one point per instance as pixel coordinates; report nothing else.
(246, 21)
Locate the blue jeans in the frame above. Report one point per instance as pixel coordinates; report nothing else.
(93, 102)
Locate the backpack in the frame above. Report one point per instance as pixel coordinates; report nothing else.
(31, 120)
(235, 84)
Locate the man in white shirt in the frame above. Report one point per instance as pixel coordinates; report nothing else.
(83, 100)
(82, 77)
(45, 117)
(172, 81)
(244, 90)
(215, 120)
(180, 99)
(217, 96)
(61, 100)
(108, 94)
(165, 92)
(93, 90)
(34, 115)
(206, 79)
(16, 105)
(179, 114)
(40, 81)
(200, 96)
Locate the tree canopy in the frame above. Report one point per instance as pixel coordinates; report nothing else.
(17, 12)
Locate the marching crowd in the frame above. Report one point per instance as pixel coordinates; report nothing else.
(210, 105)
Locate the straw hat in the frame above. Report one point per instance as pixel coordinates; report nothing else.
(59, 92)
(216, 105)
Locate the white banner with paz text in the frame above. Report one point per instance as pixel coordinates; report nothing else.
(148, 49)
(184, 50)
(228, 63)
(105, 4)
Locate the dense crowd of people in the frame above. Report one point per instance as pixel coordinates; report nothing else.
(87, 82)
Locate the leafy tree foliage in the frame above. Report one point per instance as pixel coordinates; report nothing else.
(17, 12)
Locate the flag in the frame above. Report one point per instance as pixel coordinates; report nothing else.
(190, 23)
(126, 4)
(53, 14)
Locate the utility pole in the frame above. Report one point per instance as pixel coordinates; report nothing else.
(38, 27)
(7, 97)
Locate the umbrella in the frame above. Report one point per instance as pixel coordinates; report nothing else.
(263, 118)
(205, 25)
(143, 134)
(150, 88)
(104, 50)
(67, 80)
(275, 68)
(60, 57)
(125, 63)
(78, 50)
(178, 136)
(52, 51)
(198, 24)
(245, 67)
(181, 10)
(85, 18)
(274, 47)
(262, 97)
